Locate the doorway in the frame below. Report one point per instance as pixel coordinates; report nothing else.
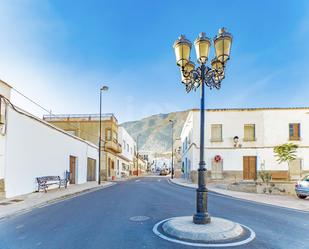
(91, 169)
(217, 170)
(72, 169)
(249, 167)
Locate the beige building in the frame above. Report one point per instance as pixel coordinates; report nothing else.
(86, 126)
(142, 166)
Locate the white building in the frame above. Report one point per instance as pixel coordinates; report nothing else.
(31, 147)
(240, 142)
(126, 159)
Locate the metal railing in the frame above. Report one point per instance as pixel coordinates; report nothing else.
(95, 117)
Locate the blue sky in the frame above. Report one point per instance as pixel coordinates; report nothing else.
(60, 52)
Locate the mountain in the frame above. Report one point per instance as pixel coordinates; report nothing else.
(155, 131)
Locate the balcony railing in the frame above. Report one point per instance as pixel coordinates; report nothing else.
(113, 145)
(88, 117)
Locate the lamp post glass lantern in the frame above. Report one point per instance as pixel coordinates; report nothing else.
(103, 88)
(197, 77)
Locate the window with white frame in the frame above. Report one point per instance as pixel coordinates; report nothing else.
(216, 133)
(249, 132)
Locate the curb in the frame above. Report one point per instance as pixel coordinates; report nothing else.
(212, 190)
(56, 200)
(177, 184)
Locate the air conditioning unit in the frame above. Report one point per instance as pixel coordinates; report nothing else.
(2, 119)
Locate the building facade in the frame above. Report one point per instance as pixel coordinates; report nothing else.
(125, 163)
(239, 142)
(87, 126)
(117, 146)
(31, 147)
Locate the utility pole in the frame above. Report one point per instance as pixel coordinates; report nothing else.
(172, 174)
(137, 154)
(103, 88)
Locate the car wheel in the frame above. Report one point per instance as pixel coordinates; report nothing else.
(301, 196)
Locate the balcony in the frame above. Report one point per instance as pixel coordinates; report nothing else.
(113, 146)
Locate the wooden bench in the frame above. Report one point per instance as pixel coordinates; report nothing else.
(279, 175)
(45, 181)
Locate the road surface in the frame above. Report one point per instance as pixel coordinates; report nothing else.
(102, 219)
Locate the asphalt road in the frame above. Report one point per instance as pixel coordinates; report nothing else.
(101, 219)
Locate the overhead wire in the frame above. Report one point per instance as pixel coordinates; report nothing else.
(49, 112)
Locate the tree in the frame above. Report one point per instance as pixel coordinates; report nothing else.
(285, 152)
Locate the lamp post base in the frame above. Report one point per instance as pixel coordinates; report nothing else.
(201, 218)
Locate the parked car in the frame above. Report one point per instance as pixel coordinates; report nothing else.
(163, 172)
(302, 188)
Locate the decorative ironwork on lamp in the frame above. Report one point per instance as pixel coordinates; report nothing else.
(194, 77)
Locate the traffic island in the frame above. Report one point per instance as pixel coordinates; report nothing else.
(219, 232)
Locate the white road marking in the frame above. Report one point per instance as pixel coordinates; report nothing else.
(159, 180)
(238, 243)
(137, 180)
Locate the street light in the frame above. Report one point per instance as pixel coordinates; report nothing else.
(137, 153)
(172, 123)
(194, 78)
(103, 88)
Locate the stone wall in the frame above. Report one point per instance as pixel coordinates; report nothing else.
(177, 173)
(277, 188)
(194, 174)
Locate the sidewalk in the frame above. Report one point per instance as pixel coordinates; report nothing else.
(20, 204)
(276, 200)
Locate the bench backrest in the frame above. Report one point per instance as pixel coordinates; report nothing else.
(280, 175)
(48, 178)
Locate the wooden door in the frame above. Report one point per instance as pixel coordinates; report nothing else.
(72, 169)
(91, 169)
(249, 167)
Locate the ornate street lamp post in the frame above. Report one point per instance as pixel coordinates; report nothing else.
(194, 78)
(103, 88)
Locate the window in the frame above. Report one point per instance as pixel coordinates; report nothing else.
(294, 131)
(128, 147)
(115, 136)
(249, 132)
(108, 135)
(216, 133)
(124, 144)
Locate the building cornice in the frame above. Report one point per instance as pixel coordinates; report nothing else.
(253, 109)
(6, 84)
